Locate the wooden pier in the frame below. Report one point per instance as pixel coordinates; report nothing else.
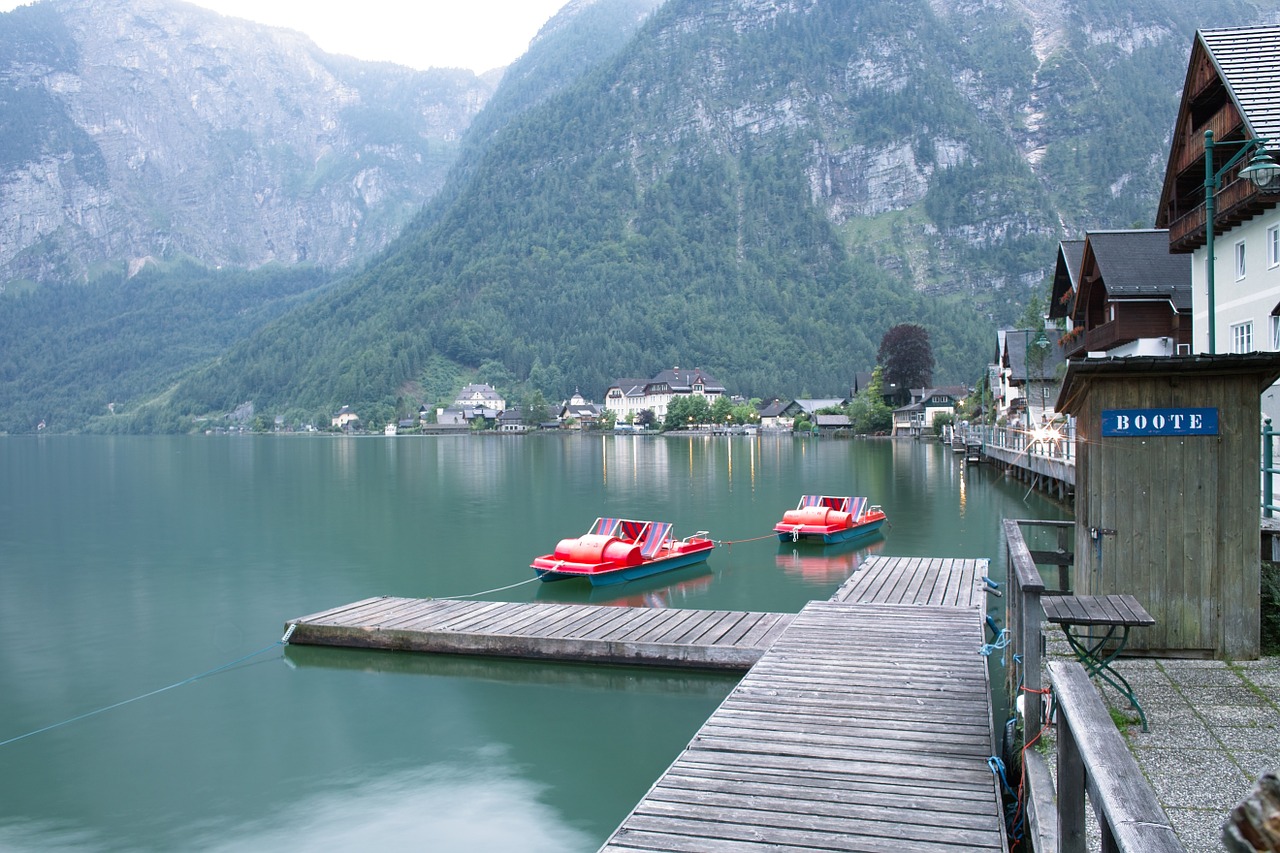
(863, 723)
(707, 639)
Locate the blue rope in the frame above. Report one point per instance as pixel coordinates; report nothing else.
(1002, 641)
(281, 642)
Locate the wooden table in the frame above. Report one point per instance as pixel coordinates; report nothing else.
(1079, 615)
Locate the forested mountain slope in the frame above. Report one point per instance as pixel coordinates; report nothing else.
(761, 189)
(382, 138)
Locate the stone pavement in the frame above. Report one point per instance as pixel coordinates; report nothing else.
(1214, 730)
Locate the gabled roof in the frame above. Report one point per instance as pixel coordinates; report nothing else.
(1248, 60)
(683, 379)
(777, 408)
(630, 387)
(831, 420)
(1070, 254)
(1232, 87)
(1136, 264)
(811, 406)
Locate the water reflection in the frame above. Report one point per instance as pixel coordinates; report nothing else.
(827, 563)
(482, 805)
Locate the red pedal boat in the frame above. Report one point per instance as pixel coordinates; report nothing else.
(620, 549)
(829, 519)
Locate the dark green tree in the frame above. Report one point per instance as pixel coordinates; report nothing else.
(906, 356)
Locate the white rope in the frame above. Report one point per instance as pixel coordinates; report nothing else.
(487, 591)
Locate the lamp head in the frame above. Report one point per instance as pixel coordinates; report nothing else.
(1263, 171)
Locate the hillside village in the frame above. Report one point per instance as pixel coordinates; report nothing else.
(1113, 293)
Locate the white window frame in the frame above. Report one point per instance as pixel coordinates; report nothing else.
(1275, 332)
(1273, 246)
(1240, 260)
(1242, 337)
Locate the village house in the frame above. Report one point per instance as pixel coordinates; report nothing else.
(917, 417)
(479, 397)
(579, 412)
(627, 398)
(1227, 136)
(346, 419)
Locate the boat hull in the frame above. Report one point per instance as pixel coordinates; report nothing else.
(621, 574)
(829, 536)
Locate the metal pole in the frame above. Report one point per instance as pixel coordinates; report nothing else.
(1268, 476)
(1210, 190)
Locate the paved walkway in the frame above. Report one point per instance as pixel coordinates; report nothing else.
(1214, 729)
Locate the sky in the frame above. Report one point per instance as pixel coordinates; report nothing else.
(477, 34)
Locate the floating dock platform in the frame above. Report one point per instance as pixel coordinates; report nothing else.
(863, 723)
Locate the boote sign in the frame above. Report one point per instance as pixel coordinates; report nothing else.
(1141, 422)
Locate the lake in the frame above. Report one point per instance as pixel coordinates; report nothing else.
(131, 564)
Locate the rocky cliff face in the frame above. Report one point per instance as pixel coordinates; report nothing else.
(154, 129)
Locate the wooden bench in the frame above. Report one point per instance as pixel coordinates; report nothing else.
(1116, 615)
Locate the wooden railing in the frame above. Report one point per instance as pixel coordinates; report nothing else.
(1093, 758)
(1092, 755)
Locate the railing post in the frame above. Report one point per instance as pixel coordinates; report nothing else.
(1267, 465)
(1071, 803)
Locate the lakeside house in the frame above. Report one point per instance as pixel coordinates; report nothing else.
(346, 419)
(1231, 91)
(627, 398)
(917, 417)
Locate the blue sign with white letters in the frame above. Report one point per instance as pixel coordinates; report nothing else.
(1138, 422)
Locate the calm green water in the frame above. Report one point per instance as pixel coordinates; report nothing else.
(131, 564)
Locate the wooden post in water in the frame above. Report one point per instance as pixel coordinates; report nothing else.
(1168, 504)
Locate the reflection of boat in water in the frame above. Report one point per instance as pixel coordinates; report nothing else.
(820, 562)
(830, 519)
(620, 549)
(668, 589)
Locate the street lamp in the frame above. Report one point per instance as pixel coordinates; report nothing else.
(1262, 172)
(1043, 343)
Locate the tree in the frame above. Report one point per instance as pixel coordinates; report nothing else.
(536, 411)
(868, 412)
(907, 357)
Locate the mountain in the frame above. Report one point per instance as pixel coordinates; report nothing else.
(91, 84)
(145, 129)
(756, 187)
(761, 189)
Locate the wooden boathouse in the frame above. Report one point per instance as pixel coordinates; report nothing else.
(862, 723)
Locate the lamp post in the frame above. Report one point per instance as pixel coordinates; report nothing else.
(1262, 172)
(1043, 343)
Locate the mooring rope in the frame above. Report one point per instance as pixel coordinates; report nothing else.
(283, 641)
(487, 591)
(731, 542)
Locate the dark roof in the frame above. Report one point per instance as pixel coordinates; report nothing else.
(1248, 60)
(630, 387)
(1070, 255)
(776, 408)
(1136, 264)
(684, 379)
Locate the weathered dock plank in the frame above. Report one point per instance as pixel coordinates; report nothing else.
(864, 727)
(921, 581)
(694, 638)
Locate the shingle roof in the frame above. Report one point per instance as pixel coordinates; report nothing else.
(1248, 59)
(1137, 264)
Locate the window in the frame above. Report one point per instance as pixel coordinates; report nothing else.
(1273, 246)
(1242, 338)
(1239, 260)
(1275, 332)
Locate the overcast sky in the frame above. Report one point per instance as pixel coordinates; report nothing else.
(476, 34)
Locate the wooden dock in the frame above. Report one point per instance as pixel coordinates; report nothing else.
(709, 639)
(863, 723)
(929, 581)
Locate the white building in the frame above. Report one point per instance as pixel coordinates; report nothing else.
(480, 397)
(1232, 89)
(626, 398)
